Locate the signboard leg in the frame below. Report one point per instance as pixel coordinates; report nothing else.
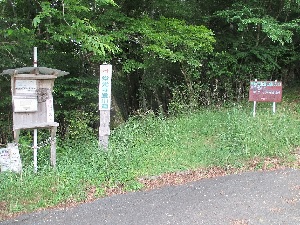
(35, 150)
(274, 107)
(16, 135)
(254, 108)
(53, 147)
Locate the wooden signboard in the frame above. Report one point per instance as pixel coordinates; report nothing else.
(32, 100)
(265, 91)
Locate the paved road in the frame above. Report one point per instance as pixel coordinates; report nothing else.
(250, 198)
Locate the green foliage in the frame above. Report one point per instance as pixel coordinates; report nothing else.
(70, 22)
(76, 35)
(148, 145)
(167, 54)
(176, 41)
(5, 111)
(256, 18)
(166, 51)
(77, 125)
(255, 40)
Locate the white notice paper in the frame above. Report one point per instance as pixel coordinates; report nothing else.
(25, 104)
(25, 86)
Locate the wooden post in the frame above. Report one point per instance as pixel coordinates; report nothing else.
(53, 147)
(104, 104)
(104, 129)
(15, 131)
(16, 135)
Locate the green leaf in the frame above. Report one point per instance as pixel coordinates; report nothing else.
(36, 21)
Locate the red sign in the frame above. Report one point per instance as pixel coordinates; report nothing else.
(265, 91)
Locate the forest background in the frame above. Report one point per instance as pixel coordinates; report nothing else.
(168, 56)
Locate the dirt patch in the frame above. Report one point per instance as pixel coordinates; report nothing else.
(3, 210)
(115, 190)
(178, 178)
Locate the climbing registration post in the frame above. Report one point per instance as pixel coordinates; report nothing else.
(104, 104)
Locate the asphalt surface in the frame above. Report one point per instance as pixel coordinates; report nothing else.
(250, 198)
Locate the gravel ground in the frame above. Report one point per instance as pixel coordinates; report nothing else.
(263, 197)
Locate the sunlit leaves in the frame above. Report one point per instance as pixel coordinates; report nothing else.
(71, 22)
(256, 19)
(174, 40)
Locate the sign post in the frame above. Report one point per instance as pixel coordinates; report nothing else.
(104, 104)
(265, 91)
(35, 131)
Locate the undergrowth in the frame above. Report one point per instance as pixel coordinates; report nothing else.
(149, 145)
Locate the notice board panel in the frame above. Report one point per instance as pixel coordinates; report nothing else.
(265, 91)
(23, 104)
(25, 86)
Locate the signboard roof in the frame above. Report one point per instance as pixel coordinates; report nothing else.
(35, 70)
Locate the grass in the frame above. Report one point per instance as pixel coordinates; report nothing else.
(150, 145)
